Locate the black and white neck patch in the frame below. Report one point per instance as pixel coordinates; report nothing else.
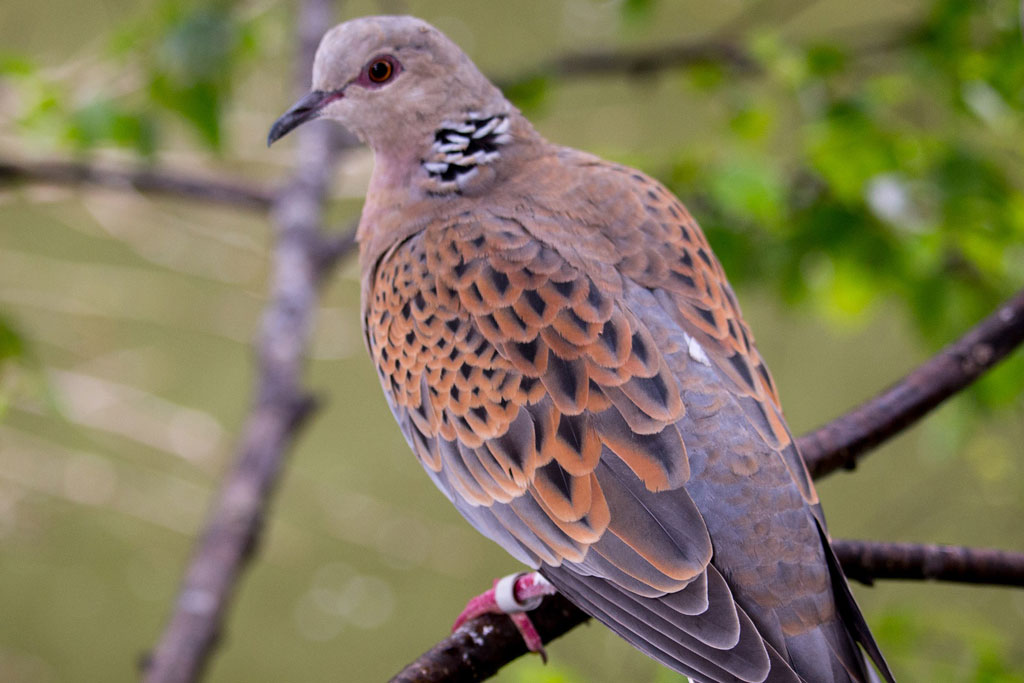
(460, 148)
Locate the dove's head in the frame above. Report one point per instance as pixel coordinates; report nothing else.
(391, 80)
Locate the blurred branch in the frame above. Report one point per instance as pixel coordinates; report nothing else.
(866, 561)
(843, 440)
(605, 62)
(726, 52)
(242, 194)
(280, 407)
(477, 650)
(335, 249)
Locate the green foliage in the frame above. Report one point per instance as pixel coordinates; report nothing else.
(104, 120)
(13, 355)
(849, 175)
(190, 69)
(636, 11)
(180, 62)
(49, 113)
(12, 347)
(529, 93)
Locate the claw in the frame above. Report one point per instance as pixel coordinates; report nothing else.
(513, 595)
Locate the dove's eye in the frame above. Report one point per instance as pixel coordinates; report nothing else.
(382, 69)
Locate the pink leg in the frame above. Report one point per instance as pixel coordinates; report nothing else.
(513, 595)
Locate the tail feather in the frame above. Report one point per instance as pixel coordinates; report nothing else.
(850, 612)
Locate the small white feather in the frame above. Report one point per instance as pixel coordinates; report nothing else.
(696, 351)
(435, 167)
(485, 130)
(460, 127)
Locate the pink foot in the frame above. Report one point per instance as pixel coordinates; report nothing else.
(513, 595)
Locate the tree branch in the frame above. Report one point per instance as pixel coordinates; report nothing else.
(236, 193)
(841, 442)
(279, 409)
(607, 62)
(477, 650)
(723, 50)
(866, 561)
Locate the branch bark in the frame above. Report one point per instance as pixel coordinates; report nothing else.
(237, 193)
(866, 561)
(279, 409)
(477, 650)
(482, 646)
(840, 443)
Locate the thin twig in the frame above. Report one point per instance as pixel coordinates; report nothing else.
(238, 193)
(478, 649)
(843, 440)
(280, 407)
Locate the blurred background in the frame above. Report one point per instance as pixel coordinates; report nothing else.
(859, 173)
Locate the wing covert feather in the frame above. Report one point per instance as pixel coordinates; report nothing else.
(514, 377)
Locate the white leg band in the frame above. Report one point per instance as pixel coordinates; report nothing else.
(505, 594)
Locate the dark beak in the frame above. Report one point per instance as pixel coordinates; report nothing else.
(306, 109)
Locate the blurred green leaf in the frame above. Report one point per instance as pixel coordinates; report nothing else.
(707, 76)
(636, 12)
(191, 69)
(992, 667)
(187, 58)
(754, 122)
(16, 65)
(848, 148)
(530, 93)
(12, 346)
(104, 121)
(13, 353)
(826, 60)
(750, 187)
